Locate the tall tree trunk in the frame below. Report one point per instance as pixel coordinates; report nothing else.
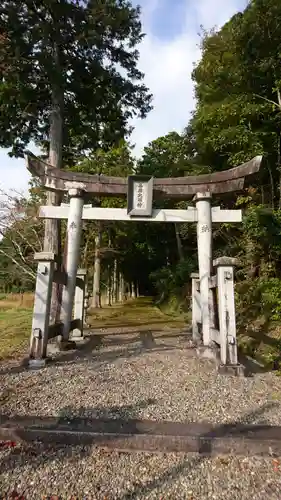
(271, 185)
(115, 282)
(121, 288)
(97, 270)
(52, 236)
(279, 167)
(179, 243)
(126, 290)
(109, 278)
(112, 284)
(109, 287)
(133, 293)
(279, 149)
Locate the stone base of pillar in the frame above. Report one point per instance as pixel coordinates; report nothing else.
(66, 345)
(208, 352)
(77, 335)
(232, 370)
(37, 364)
(197, 341)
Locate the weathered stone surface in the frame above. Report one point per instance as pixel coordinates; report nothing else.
(208, 352)
(232, 370)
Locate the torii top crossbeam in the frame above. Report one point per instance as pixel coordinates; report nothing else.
(180, 188)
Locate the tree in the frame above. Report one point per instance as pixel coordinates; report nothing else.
(237, 114)
(60, 85)
(226, 120)
(166, 156)
(20, 232)
(61, 58)
(259, 45)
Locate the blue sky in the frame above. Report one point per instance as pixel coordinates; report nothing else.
(167, 55)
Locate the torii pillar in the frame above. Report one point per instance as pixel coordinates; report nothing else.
(204, 242)
(74, 228)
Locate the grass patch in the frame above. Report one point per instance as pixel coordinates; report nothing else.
(176, 308)
(133, 313)
(15, 326)
(12, 300)
(15, 323)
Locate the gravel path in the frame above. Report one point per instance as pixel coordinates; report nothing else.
(124, 377)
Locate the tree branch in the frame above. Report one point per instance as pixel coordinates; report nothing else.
(269, 100)
(27, 271)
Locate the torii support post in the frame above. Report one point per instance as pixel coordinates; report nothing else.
(41, 309)
(227, 320)
(86, 302)
(74, 227)
(79, 303)
(196, 308)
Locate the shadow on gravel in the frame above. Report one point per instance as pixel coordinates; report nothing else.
(86, 355)
(91, 349)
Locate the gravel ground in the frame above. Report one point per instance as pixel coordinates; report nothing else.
(160, 380)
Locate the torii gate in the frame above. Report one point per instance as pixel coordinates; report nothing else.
(140, 192)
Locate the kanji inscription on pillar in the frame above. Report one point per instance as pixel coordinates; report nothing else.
(140, 195)
(205, 228)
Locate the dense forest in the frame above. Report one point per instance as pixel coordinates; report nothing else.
(71, 84)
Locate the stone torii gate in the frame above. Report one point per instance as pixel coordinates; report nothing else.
(140, 192)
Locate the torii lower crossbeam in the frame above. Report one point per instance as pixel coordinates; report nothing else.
(158, 215)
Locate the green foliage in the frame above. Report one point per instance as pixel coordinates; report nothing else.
(237, 114)
(270, 295)
(173, 280)
(172, 155)
(261, 242)
(116, 162)
(260, 297)
(258, 290)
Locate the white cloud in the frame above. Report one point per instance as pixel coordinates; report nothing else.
(167, 64)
